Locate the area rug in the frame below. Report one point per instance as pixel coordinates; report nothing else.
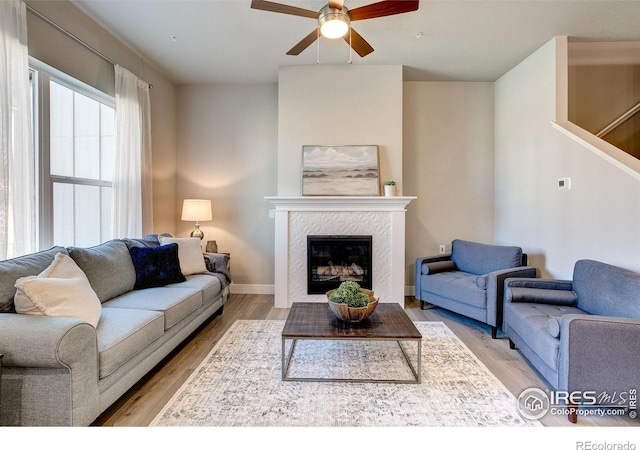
(239, 384)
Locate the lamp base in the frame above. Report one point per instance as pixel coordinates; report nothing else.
(197, 232)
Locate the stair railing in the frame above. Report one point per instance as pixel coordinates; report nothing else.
(619, 121)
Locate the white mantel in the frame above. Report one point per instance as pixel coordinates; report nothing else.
(381, 217)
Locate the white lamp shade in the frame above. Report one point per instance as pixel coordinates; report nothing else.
(196, 210)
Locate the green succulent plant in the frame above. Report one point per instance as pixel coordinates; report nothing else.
(349, 292)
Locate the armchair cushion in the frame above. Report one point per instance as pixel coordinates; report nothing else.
(458, 285)
(480, 259)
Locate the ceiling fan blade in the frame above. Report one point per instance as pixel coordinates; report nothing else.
(358, 43)
(384, 8)
(283, 9)
(337, 4)
(304, 43)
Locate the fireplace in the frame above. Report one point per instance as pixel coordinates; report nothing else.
(337, 258)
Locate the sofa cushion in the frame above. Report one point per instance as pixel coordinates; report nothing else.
(123, 333)
(175, 304)
(480, 259)
(22, 266)
(457, 285)
(606, 290)
(156, 266)
(189, 254)
(209, 284)
(61, 290)
(108, 267)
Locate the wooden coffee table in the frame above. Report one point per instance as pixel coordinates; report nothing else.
(315, 321)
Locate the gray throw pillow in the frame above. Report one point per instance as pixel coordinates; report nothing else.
(108, 267)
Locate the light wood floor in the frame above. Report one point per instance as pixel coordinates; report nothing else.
(144, 401)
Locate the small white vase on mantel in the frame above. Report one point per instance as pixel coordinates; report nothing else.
(389, 190)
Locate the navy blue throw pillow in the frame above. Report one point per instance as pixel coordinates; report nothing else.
(156, 266)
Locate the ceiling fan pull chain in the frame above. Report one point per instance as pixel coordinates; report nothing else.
(318, 52)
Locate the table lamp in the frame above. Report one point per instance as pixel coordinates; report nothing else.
(196, 210)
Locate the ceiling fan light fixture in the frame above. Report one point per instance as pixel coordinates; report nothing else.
(334, 23)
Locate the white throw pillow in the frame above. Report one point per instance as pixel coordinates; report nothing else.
(62, 289)
(189, 254)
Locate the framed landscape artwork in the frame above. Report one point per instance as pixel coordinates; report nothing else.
(351, 170)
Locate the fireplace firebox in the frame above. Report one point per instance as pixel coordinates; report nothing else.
(334, 259)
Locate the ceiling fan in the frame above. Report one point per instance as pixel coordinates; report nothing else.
(334, 20)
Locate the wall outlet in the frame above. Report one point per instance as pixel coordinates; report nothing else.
(442, 249)
(272, 214)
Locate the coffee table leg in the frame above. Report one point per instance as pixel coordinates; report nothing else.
(417, 371)
(420, 361)
(286, 360)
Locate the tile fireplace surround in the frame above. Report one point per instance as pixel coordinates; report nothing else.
(381, 217)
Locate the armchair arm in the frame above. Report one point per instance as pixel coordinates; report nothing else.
(418, 270)
(599, 353)
(495, 290)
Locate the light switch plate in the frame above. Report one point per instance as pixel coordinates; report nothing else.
(564, 183)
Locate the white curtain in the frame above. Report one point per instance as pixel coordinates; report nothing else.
(17, 166)
(132, 185)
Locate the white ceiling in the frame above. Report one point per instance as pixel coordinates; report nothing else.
(225, 41)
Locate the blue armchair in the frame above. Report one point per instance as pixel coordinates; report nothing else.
(470, 280)
(581, 334)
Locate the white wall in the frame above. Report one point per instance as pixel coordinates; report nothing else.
(448, 165)
(227, 146)
(342, 104)
(599, 218)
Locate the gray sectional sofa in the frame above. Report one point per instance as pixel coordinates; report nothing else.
(470, 280)
(61, 371)
(582, 335)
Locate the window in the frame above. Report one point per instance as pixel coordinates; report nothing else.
(76, 142)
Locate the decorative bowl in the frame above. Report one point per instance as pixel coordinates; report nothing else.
(348, 314)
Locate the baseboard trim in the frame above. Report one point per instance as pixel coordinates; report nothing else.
(409, 291)
(269, 289)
